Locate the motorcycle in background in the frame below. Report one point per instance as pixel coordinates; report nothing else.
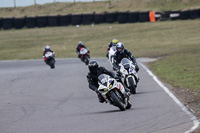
(50, 59)
(128, 75)
(113, 92)
(84, 55)
(111, 54)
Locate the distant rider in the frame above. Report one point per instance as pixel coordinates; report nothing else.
(94, 71)
(112, 43)
(79, 47)
(47, 49)
(123, 53)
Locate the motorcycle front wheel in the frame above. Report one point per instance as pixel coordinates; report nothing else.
(86, 60)
(52, 64)
(132, 86)
(117, 101)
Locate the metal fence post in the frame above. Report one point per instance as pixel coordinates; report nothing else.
(14, 3)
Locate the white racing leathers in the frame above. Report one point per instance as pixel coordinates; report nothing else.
(111, 54)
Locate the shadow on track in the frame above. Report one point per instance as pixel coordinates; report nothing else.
(106, 112)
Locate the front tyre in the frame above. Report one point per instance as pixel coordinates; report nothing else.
(128, 105)
(117, 101)
(52, 64)
(86, 60)
(132, 85)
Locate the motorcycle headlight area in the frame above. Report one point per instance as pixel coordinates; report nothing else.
(111, 84)
(105, 89)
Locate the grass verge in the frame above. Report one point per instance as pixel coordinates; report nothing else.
(99, 7)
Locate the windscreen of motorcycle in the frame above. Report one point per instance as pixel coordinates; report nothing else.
(83, 51)
(103, 79)
(114, 48)
(126, 63)
(47, 54)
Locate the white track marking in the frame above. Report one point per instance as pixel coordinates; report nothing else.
(193, 118)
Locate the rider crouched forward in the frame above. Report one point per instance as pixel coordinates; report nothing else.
(79, 46)
(94, 71)
(123, 53)
(47, 49)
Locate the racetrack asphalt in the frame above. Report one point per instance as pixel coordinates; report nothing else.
(37, 99)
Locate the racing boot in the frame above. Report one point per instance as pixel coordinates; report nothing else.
(100, 97)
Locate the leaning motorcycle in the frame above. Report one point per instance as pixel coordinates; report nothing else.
(128, 75)
(50, 59)
(111, 54)
(84, 55)
(113, 92)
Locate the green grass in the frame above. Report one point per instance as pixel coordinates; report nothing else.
(99, 7)
(178, 42)
(180, 70)
(143, 39)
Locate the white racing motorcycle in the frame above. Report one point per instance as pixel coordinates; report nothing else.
(50, 59)
(113, 92)
(111, 54)
(84, 55)
(129, 76)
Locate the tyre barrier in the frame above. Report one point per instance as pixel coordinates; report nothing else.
(165, 16)
(64, 20)
(174, 15)
(87, 18)
(185, 15)
(19, 23)
(133, 17)
(111, 17)
(76, 19)
(194, 13)
(144, 17)
(0, 23)
(30, 22)
(99, 18)
(53, 21)
(158, 15)
(7, 23)
(42, 21)
(122, 17)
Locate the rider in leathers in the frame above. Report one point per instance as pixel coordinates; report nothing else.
(123, 53)
(79, 47)
(112, 43)
(47, 49)
(94, 71)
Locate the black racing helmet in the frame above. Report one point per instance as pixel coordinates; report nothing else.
(93, 66)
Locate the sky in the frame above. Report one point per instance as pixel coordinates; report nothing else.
(22, 3)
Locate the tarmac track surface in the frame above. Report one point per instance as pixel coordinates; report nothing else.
(37, 99)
